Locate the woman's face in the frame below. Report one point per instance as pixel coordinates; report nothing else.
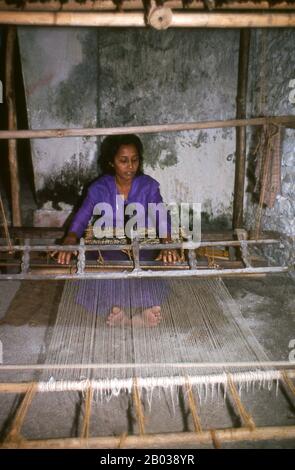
(126, 162)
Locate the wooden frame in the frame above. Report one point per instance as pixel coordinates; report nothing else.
(248, 431)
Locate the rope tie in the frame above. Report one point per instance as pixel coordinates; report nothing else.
(122, 440)
(216, 442)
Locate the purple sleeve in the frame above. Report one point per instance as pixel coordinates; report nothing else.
(156, 197)
(84, 214)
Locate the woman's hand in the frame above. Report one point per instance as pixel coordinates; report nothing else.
(64, 257)
(169, 256)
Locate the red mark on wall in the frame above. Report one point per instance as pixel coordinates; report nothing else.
(40, 83)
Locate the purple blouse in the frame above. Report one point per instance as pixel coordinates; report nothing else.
(144, 190)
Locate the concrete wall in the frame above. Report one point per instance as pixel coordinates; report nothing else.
(149, 77)
(61, 81)
(80, 78)
(272, 69)
(105, 77)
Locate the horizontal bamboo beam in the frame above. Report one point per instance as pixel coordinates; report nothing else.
(136, 19)
(142, 246)
(142, 274)
(109, 5)
(174, 365)
(57, 232)
(149, 129)
(160, 441)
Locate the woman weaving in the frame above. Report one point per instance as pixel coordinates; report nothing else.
(121, 162)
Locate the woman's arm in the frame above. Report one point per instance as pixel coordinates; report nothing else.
(64, 257)
(78, 225)
(167, 256)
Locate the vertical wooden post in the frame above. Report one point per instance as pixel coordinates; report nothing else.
(12, 125)
(241, 131)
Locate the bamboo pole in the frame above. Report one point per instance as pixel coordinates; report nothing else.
(56, 232)
(138, 408)
(159, 16)
(149, 129)
(136, 19)
(287, 381)
(159, 441)
(240, 172)
(109, 5)
(180, 365)
(12, 125)
(151, 274)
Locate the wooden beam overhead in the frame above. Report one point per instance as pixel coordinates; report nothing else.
(110, 5)
(184, 19)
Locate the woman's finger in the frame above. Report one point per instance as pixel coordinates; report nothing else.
(61, 257)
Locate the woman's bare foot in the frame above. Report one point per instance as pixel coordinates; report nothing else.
(150, 317)
(117, 317)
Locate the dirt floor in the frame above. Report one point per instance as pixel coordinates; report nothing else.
(27, 314)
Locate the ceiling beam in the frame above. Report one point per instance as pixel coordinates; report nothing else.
(136, 19)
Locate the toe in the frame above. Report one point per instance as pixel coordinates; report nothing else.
(116, 310)
(156, 311)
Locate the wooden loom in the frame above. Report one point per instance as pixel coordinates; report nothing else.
(33, 268)
(217, 437)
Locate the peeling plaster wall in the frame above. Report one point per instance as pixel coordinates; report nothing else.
(81, 78)
(272, 69)
(60, 76)
(149, 77)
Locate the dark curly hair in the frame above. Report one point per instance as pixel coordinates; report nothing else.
(110, 147)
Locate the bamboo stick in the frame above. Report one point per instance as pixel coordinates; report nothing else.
(240, 172)
(86, 421)
(154, 246)
(161, 440)
(149, 129)
(245, 416)
(12, 125)
(287, 381)
(138, 408)
(193, 407)
(136, 19)
(14, 433)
